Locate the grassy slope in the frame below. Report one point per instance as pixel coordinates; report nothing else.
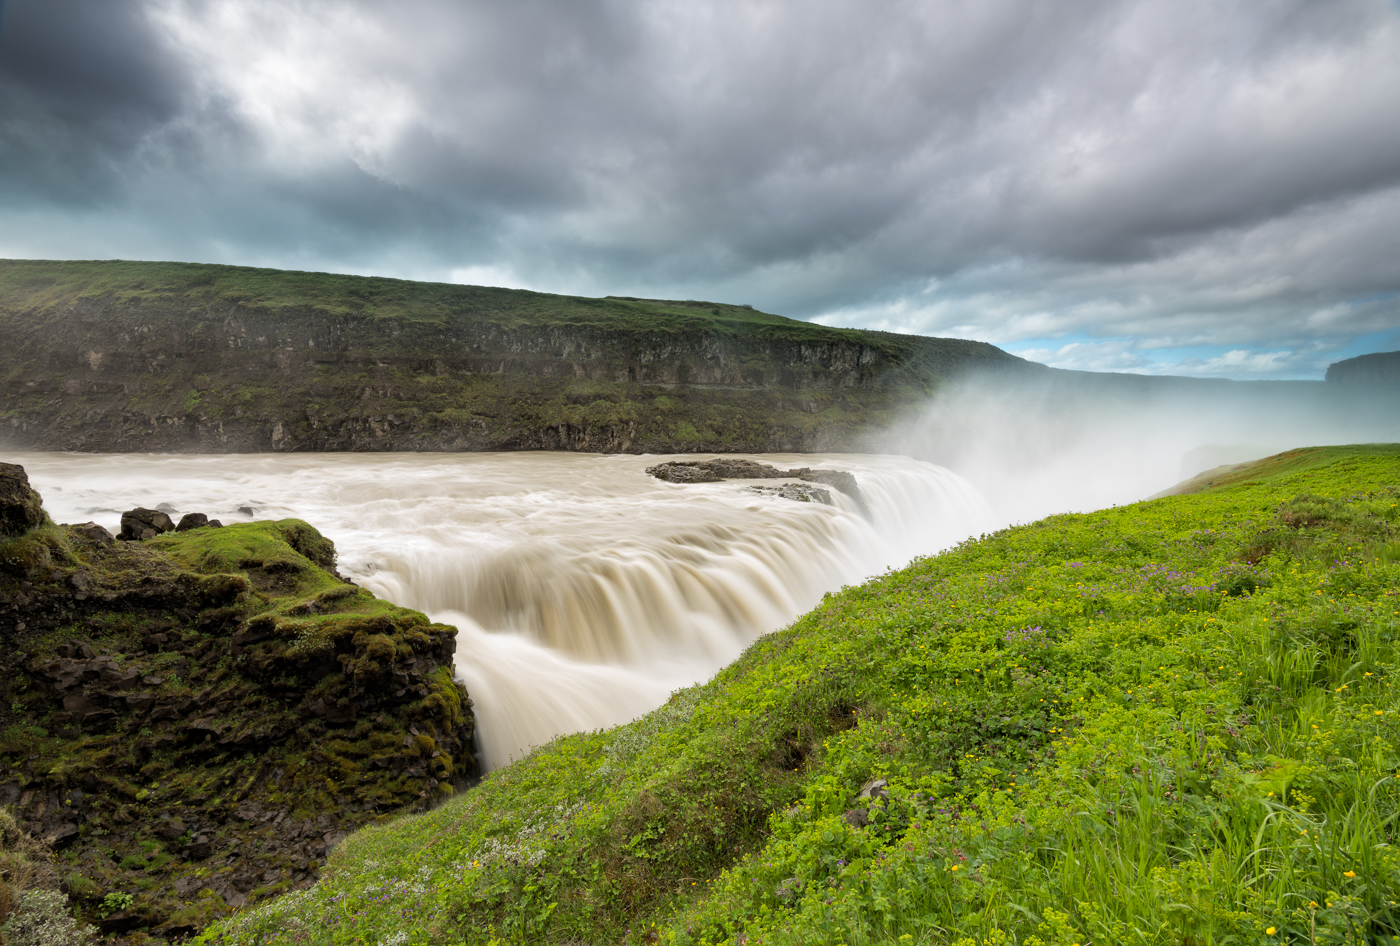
(1257, 471)
(52, 284)
(1172, 722)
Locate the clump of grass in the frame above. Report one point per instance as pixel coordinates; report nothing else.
(1120, 727)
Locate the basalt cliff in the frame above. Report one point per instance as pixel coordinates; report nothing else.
(116, 356)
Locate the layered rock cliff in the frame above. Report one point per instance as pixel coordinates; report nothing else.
(1381, 369)
(176, 357)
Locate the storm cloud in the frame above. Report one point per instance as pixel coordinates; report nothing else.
(1144, 185)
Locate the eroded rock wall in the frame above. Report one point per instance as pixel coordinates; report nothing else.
(184, 371)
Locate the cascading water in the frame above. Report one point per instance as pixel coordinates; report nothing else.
(584, 590)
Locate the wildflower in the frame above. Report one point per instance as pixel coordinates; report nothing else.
(1349, 874)
(1270, 931)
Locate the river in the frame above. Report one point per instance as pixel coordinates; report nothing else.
(584, 590)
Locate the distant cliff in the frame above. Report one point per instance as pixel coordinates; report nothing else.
(1380, 368)
(117, 356)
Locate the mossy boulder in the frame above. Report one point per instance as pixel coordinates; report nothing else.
(197, 719)
(20, 507)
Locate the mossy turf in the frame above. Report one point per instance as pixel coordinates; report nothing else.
(196, 718)
(1290, 461)
(1172, 722)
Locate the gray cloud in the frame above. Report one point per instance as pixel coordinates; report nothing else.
(1143, 184)
(81, 87)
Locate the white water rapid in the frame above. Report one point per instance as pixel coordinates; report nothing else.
(584, 590)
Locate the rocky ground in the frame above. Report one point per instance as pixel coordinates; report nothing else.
(192, 721)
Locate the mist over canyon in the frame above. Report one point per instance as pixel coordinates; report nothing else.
(181, 358)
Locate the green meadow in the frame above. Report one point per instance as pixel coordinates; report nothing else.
(1166, 723)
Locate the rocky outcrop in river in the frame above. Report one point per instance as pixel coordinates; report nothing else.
(197, 718)
(735, 468)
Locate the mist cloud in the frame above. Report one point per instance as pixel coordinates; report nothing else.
(1202, 187)
(1036, 446)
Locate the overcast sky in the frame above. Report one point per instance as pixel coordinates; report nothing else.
(1201, 187)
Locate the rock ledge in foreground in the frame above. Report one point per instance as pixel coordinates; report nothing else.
(198, 717)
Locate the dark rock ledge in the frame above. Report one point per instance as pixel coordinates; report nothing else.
(197, 718)
(727, 468)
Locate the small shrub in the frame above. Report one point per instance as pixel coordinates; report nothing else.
(24, 862)
(43, 920)
(1241, 580)
(115, 902)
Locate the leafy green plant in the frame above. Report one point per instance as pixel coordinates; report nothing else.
(115, 902)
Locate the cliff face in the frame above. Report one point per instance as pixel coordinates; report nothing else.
(1381, 368)
(186, 358)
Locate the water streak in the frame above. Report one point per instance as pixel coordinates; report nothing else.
(584, 590)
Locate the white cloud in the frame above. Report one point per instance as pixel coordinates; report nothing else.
(486, 276)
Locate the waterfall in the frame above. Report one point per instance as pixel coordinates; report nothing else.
(584, 591)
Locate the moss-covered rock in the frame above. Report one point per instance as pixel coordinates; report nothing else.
(196, 719)
(20, 509)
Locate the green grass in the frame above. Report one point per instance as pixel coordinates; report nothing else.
(1290, 461)
(1106, 777)
(1167, 723)
(52, 284)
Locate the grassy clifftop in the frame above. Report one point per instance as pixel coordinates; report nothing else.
(52, 285)
(171, 356)
(1172, 722)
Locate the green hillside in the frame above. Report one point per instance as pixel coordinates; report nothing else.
(53, 284)
(1172, 722)
(180, 357)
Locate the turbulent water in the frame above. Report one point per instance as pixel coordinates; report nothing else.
(584, 590)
